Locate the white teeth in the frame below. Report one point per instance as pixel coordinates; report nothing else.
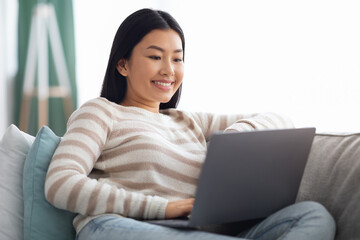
(163, 84)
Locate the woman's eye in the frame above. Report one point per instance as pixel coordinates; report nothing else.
(178, 60)
(155, 57)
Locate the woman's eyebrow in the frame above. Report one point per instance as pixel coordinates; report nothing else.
(161, 49)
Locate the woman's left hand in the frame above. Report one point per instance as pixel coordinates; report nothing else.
(179, 208)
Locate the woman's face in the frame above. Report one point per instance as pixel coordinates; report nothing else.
(154, 71)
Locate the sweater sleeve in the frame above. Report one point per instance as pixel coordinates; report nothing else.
(211, 123)
(68, 185)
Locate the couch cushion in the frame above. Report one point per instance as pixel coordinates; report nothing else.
(14, 147)
(332, 177)
(42, 221)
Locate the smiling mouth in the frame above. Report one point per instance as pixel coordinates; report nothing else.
(163, 83)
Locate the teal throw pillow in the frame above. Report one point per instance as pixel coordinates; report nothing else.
(42, 221)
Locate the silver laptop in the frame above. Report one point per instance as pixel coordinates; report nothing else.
(248, 175)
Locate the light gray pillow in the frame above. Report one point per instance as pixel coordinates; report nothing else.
(332, 177)
(14, 147)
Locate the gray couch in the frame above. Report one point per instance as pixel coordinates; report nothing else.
(332, 177)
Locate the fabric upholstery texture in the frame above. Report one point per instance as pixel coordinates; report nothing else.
(332, 177)
(14, 147)
(43, 221)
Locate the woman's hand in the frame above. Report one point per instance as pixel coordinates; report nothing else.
(179, 208)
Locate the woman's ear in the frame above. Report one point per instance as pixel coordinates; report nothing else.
(121, 66)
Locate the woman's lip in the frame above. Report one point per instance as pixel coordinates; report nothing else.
(163, 81)
(163, 84)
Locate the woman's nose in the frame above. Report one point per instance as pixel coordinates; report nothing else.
(167, 68)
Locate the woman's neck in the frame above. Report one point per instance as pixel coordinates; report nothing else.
(149, 107)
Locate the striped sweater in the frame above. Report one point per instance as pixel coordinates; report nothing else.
(130, 162)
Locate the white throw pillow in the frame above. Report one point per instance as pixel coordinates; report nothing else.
(14, 147)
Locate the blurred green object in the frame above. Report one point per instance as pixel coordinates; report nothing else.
(64, 15)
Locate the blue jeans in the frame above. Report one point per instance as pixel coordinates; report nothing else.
(303, 220)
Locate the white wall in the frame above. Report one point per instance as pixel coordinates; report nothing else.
(7, 60)
(2, 70)
(300, 58)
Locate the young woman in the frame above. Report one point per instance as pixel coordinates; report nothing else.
(129, 155)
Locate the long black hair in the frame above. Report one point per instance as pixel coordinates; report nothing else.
(129, 34)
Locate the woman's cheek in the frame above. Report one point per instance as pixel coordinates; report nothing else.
(180, 72)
